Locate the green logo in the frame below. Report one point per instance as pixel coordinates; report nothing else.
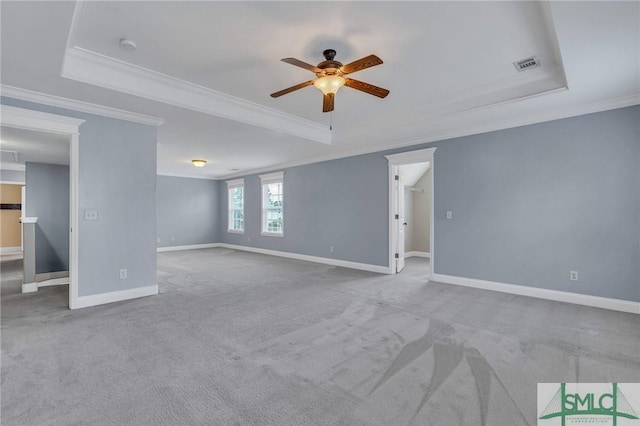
(590, 405)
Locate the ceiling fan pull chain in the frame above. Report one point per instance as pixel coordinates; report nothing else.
(331, 120)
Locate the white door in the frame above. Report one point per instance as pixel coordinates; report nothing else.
(401, 225)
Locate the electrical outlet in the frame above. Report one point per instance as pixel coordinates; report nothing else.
(573, 275)
(158, 239)
(331, 249)
(172, 239)
(123, 274)
(449, 214)
(90, 214)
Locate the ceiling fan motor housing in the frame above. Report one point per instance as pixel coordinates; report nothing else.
(329, 66)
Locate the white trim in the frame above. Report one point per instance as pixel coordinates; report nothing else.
(272, 234)
(11, 182)
(417, 254)
(272, 177)
(409, 157)
(288, 255)
(324, 260)
(396, 160)
(11, 250)
(114, 296)
(53, 281)
(74, 220)
(189, 247)
(34, 120)
(99, 70)
(40, 121)
(543, 293)
(574, 111)
(236, 183)
(12, 167)
(188, 176)
(89, 108)
(29, 287)
(33, 219)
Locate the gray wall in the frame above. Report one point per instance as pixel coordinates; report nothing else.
(118, 178)
(12, 176)
(187, 211)
(47, 193)
(340, 203)
(529, 204)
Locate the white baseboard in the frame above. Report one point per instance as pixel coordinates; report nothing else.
(325, 260)
(191, 247)
(416, 254)
(316, 259)
(114, 296)
(543, 293)
(33, 287)
(29, 287)
(10, 250)
(53, 281)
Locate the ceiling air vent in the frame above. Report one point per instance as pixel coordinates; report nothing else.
(527, 64)
(9, 156)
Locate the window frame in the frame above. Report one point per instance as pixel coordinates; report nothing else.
(277, 177)
(232, 185)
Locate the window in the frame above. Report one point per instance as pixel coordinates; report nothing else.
(236, 205)
(272, 204)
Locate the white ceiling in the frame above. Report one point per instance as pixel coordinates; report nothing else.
(20, 146)
(207, 69)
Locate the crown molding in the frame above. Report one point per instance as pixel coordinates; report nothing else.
(12, 167)
(187, 176)
(531, 84)
(99, 70)
(35, 120)
(57, 101)
(574, 111)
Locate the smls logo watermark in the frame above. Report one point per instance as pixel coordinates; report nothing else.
(613, 404)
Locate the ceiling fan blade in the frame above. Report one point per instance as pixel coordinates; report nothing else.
(366, 87)
(301, 64)
(292, 88)
(360, 64)
(327, 102)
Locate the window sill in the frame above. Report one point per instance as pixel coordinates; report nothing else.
(273, 234)
(234, 231)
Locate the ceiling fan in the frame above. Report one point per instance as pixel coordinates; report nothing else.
(331, 77)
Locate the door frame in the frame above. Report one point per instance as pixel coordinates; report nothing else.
(396, 160)
(20, 118)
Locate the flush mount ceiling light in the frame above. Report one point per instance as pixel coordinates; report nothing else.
(331, 74)
(127, 44)
(199, 163)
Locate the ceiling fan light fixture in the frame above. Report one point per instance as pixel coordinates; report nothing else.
(329, 84)
(199, 163)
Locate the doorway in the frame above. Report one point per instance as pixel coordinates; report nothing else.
(411, 197)
(18, 120)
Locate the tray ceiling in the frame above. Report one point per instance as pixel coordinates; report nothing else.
(207, 69)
